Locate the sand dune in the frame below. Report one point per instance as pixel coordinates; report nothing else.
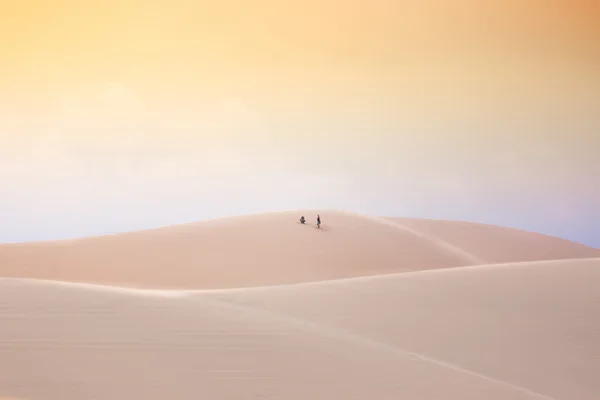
(273, 248)
(531, 326)
(527, 331)
(261, 307)
(496, 244)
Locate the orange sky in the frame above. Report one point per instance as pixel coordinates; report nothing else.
(328, 91)
(174, 45)
(309, 60)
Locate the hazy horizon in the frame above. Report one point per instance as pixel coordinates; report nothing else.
(120, 116)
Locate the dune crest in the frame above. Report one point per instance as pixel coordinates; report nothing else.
(273, 248)
(497, 244)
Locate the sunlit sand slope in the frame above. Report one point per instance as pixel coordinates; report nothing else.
(497, 244)
(273, 248)
(530, 327)
(506, 332)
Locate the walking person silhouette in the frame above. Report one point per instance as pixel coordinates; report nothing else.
(318, 221)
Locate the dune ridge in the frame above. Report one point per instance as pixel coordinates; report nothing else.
(191, 292)
(501, 244)
(467, 257)
(270, 249)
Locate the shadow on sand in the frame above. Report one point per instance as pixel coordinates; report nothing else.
(322, 228)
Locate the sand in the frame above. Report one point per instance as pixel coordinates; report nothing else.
(428, 323)
(271, 249)
(497, 244)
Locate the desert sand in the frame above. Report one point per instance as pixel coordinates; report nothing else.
(260, 307)
(273, 248)
(499, 244)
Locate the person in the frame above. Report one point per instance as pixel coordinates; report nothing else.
(302, 220)
(318, 221)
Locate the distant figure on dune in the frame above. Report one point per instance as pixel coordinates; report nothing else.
(302, 220)
(318, 221)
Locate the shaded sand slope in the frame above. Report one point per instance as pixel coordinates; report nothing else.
(507, 332)
(532, 325)
(262, 249)
(496, 244)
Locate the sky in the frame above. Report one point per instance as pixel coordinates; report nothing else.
(126, 115)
